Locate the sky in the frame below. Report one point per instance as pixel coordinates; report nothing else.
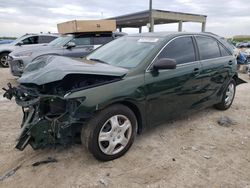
(17, 17)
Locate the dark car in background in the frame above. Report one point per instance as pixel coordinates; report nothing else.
(25, 40)
(70, 45)
(122, 88)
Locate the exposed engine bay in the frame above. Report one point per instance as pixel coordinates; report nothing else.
(48, 117)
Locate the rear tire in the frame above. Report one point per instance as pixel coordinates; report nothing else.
(110, 134)
(3, 59)
(228, 96)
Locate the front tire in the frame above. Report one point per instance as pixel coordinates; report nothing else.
(228, 96)
(3, 59)
(110, 134)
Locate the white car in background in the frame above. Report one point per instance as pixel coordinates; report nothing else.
(25, 40)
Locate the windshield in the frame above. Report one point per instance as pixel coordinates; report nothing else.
(127, 52)
(60, 41)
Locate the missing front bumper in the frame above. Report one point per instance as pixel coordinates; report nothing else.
(47, 119)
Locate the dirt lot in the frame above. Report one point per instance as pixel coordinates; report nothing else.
(190, 152)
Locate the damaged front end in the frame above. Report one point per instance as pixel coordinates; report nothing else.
(49, 118)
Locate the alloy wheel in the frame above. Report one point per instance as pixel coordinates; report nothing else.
(4, 61)
(230, 94)
(115, 134)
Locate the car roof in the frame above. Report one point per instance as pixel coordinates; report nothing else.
(41, 34)
(169, 33)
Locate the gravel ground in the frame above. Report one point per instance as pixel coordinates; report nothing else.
(192, 151)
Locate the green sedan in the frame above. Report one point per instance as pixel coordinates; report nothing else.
(119, 90)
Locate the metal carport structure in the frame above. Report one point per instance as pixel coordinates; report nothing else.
(139, 19)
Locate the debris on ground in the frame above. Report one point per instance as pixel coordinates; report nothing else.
(10, 173)
(213, 147)
(194, 148)
(184, 148)
(207, 157)
(103, 182)
(210, 126)
(48, 160)
(225, 121)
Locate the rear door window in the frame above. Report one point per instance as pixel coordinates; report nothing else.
(180, 49)
(208, 47)
(101, 40)
(46, 39)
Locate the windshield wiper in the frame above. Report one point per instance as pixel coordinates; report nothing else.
(98, 60)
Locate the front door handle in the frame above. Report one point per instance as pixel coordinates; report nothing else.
(89, 49)
(196, 70)
(230, 62)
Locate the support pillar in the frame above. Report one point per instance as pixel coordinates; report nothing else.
(139, 29)
(203, 27)
(120, 29)
(180, 26)
(152, 23)
(151, 18)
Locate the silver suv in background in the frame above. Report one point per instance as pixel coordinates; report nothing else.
(70, 45)
(19, 43)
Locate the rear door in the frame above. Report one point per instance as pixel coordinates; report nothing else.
(216, 62)
(172, 92)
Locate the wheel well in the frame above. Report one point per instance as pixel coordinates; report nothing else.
(235, 77)
(238, 80)
(137, 113)
(4, 52)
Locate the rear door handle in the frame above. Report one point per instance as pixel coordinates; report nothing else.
(196, 71)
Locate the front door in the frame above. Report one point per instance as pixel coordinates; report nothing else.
(83, 47)
(171, 92)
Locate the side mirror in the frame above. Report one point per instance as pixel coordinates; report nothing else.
(70, 45)
(20, 43)
(164, 63)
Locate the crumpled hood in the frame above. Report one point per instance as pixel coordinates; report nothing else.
(48, 69)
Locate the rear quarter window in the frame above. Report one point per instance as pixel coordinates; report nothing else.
(223, 51)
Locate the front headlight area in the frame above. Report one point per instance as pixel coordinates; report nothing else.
(51, 121)
(23, 54)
